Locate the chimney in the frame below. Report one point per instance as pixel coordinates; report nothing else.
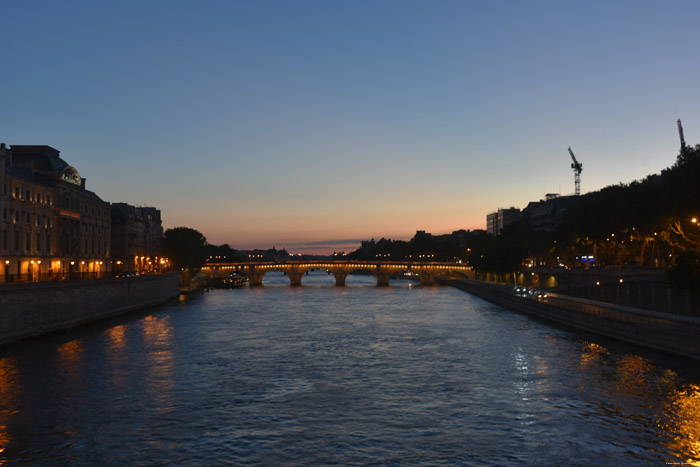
(5, 156)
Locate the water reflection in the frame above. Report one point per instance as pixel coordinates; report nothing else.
(159, 343)
(632, 375)
(683, 426)
(116, 338)
(70, 354)
(320, 375)
(627, 374)
(592, 354)
(70, 361)
(9, 397)
(117, 354)
(633, 378)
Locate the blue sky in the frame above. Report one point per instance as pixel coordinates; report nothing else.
(293, 123)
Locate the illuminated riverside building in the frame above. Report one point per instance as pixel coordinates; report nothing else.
(52, 227)
(136, 236)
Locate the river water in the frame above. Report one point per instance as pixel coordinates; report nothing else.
(356, 375)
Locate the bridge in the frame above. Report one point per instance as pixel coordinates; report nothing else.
(341, 269)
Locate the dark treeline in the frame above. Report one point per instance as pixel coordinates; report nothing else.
(654, 222)
(654, 212)
(422, 247)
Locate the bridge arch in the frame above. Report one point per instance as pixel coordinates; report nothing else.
(341, 274)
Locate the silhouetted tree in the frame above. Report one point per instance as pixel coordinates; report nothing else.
(184, 246)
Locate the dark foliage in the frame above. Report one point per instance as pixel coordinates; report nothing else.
(184, 246)
(422, 247)
(684, 273)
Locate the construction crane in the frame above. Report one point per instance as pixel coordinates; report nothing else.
(680, 132)
(578, 168)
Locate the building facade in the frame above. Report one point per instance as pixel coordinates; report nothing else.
(136, 237)
(499, 219)
(547, 215)
(52, 226)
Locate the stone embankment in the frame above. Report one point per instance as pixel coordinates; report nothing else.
(34, 309)
(673, 333)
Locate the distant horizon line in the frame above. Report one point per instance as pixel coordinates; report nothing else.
(324, 247)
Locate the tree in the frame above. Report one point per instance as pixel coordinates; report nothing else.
(184, 246)
(223, 254)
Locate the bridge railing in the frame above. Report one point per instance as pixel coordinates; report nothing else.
(321, 263)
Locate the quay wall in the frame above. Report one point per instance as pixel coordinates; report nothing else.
(33, 309)
(673, 333)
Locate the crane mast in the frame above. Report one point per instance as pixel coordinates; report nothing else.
(680, 133)
(578, 168)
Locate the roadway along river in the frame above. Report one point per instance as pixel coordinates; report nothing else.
(401, 375)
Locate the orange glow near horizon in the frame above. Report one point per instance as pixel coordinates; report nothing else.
(319, 234)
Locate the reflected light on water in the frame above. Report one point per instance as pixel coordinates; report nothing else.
(635, 377)
(70, 357)
(632, 374)
(9, 395)
(116, 337)
(159, 342)
(116, 347)
(592, 353)
(684, 425)
(70, 353)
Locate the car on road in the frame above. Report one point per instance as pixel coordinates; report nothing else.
(537, 293)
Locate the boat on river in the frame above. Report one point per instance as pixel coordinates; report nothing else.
(232, 281)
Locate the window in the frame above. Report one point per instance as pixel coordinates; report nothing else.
(28, 245)
(38, 241)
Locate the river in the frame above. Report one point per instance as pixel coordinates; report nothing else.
(355, 375)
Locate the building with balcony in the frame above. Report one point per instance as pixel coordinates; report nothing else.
(52, 226)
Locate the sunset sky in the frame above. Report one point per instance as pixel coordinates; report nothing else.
(312, 125)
